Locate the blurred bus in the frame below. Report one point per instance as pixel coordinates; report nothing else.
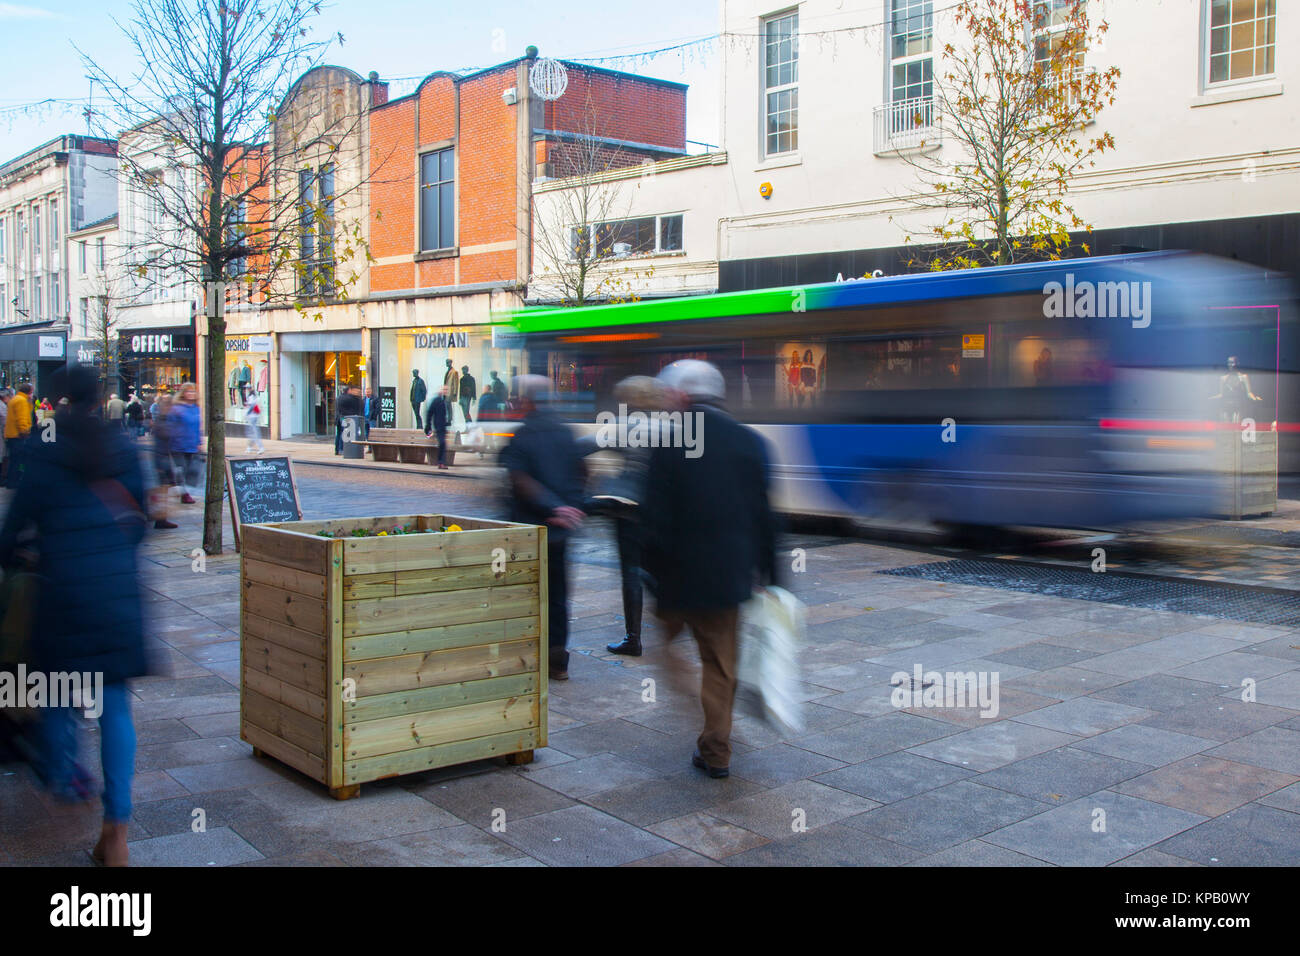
(1080, 393)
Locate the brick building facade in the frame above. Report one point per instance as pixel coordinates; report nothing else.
(442, 179)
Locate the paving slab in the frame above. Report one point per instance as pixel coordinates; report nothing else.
(1095, 830)
(941, 818)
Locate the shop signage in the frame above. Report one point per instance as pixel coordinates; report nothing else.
(442, 340)
(387, 407)
(259, 343)
(972, 346)
(50, 347)
(504, 337)
(159, 343)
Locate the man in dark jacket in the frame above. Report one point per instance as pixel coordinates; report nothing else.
(438, 416)
(371, 410)
(84, 496)
(349, 404)
(547, 474)
(419, 392)
(710, 538)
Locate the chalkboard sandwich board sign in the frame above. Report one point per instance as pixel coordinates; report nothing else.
(261, 490)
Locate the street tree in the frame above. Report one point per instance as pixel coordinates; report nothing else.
(1016, 106)
(227, 209)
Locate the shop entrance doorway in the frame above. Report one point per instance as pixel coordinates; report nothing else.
(328, 373)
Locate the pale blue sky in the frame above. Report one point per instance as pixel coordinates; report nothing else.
(395, 37)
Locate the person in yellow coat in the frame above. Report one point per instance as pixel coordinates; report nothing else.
(18, 430)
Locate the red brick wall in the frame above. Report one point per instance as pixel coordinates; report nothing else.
(625, 108)
(620, 107)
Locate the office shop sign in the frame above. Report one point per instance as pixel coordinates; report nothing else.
(157, 344)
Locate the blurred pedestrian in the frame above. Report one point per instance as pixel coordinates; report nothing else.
(116, 410)
(164, 465)
(546, 478)
(82, 495)
(18, 431)
(5, 396)
(253, 424)
(184, 436)
(371, 410)
(620, 499)
(135, 416)
(489, 409)
(710, 538)
(349, 404)
(439, 415)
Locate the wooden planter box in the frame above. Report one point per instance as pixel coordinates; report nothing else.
(365, 658)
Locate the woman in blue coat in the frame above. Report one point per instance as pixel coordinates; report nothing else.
(185, 436)
(83, 495)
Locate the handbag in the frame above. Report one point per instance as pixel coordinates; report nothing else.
(771, 631)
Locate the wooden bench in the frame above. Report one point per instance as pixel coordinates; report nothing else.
(408, 445)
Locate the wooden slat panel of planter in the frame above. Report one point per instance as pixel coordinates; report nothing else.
(304, 642)
(297, 670)
(413, 552)
(304, 732)
(412, 611)
(300, 700)
(285, 607)
(282, 750)
(430, 580)
(386, 735)
(411, 671)
(367, 657)
(422, 640)
(437, 698)
(441, 755)
(288, 549)
(285, 578)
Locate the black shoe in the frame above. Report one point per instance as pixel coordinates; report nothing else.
(559, 673)
(717, 773)
(629, 646)
(160, 524)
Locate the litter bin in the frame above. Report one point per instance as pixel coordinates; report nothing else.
(354, 432)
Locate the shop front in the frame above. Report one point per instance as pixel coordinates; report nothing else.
(419, 362)
(315, 367)
(155, 361)
(32, 356)
(248, 380)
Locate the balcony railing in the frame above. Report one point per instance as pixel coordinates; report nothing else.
(905, 124)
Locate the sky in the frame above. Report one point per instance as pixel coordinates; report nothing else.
(397, 38)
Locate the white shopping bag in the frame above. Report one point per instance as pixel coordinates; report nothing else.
(771, 632)
(457, 417)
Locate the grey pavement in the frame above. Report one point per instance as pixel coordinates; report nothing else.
(1121, 737)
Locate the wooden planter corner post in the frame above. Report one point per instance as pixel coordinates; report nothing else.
(370, 657)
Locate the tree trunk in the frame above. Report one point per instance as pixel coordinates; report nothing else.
(215, 415)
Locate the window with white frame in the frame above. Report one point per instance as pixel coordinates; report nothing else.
(1241, 42)
(83, 326)
(4, 225)
(643, 236)
(911, 51)
(82, 247)
(99, 254)
(36, 238)
(1055, 46)
(781, 83)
